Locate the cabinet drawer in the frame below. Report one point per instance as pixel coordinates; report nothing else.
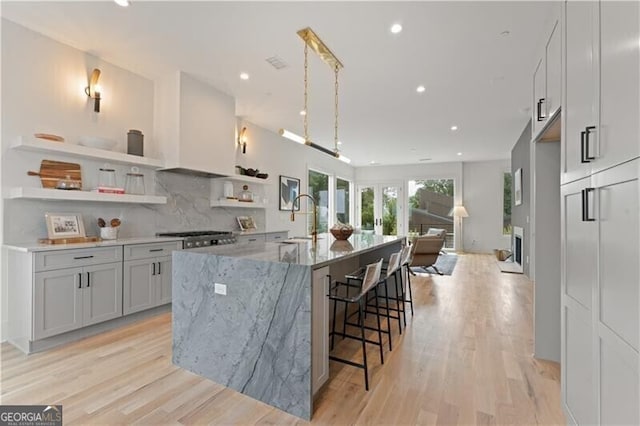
(276, 236)
(59, 259)
(250, 239)
(147, 251)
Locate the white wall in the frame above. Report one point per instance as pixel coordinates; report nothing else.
(483, 197)
(275, 155)
(478, 186)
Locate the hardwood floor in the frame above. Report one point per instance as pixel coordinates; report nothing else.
(465, 358)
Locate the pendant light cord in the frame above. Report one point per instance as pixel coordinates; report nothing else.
(335, 130)
(306, 94)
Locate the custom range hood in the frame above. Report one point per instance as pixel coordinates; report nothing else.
(195, 125)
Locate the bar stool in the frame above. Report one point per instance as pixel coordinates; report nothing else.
(391, 271)
(370, 282)
(407, 252)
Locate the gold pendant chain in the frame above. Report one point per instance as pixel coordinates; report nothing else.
(335, 133)
(306, 95)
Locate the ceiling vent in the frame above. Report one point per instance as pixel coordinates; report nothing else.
(425, 159)
(277, 62)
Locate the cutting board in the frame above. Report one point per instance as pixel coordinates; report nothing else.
(52, 171)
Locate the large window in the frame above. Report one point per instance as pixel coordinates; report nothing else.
(506, 204)
(430, 202)
(319, 189)
(343, 192)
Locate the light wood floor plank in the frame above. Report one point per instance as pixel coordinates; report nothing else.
(465, 358)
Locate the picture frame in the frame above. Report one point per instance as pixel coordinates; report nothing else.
(517, 187)
(289, 190)
(64, 225)
(246, 223)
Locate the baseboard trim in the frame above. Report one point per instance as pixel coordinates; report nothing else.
(82, 333)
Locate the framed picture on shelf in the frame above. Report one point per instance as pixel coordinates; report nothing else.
(64, 225)
(517, 185)
(289, 190)
(246, 223)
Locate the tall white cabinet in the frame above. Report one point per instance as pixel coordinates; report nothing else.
(600, 213)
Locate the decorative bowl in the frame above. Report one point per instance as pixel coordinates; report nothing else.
(251, 172)
(341, 233)
(262, 175)
(97, 142)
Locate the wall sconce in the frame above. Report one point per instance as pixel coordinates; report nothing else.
(242, 139)
(93, 89)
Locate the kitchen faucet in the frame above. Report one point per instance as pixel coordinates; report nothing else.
(314, 229)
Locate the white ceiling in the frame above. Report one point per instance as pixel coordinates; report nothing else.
(475, 77)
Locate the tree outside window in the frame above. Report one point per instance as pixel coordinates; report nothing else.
(319, 189)
(506, 204)
(343, 192)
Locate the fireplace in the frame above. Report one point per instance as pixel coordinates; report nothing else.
(518, 246)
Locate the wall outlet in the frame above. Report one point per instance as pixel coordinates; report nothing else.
(527, 219)
(527, 259)
(220, 289)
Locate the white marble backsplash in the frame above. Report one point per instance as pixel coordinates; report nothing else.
(187, 208)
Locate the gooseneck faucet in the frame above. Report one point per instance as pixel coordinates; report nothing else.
(314, 228)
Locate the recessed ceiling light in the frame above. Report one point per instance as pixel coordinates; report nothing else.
(303, 112)
(372, 162)
(454, 128)
(123, 3)
(244, 76)
(420, 89)
(339, 142)
(459, 153)
(396, 28)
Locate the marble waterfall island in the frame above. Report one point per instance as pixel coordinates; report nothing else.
(255, 318)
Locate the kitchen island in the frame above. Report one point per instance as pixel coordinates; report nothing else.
(256, 319)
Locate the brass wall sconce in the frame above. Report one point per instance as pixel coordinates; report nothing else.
(93, 89)
(242, 140)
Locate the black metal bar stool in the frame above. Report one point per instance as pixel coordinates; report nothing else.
(356, 294)
(407, 252)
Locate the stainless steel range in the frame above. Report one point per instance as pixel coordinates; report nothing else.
(195, 239)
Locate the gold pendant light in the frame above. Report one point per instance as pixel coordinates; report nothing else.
(314, 42)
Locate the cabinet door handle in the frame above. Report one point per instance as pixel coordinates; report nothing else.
(159, 269)
(154, 268)
(583, 139)
(253, 239)
(79, 279)
(539, 115)
(585, 205)
(83, 257)
(587, 132)
(155, 250)
(88, 279)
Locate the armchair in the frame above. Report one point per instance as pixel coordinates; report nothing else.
(426, 249)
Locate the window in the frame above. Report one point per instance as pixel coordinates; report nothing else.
(430, 202)
(319, 189)
(343, 192)
(506, 204)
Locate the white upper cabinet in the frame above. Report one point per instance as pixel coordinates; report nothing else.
(619, 134)
(602, 106)
(581, 89)
(553, 95)
(547, 82)
(539, 118)
(196, 125)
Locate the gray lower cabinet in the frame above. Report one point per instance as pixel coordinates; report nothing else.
(147, 283)
(147, 275)
(67, 299)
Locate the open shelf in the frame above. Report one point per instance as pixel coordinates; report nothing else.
(238, 204)
(245, 178)
(58, 194)
(38, 145)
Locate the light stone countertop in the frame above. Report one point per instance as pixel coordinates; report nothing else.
(302, 252)
(258, 232)
(34, 246)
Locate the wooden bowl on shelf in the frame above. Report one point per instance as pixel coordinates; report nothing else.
(341, 234)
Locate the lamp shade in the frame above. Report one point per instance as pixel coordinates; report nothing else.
(459, 211)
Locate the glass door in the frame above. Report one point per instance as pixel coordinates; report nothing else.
(379, 208)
